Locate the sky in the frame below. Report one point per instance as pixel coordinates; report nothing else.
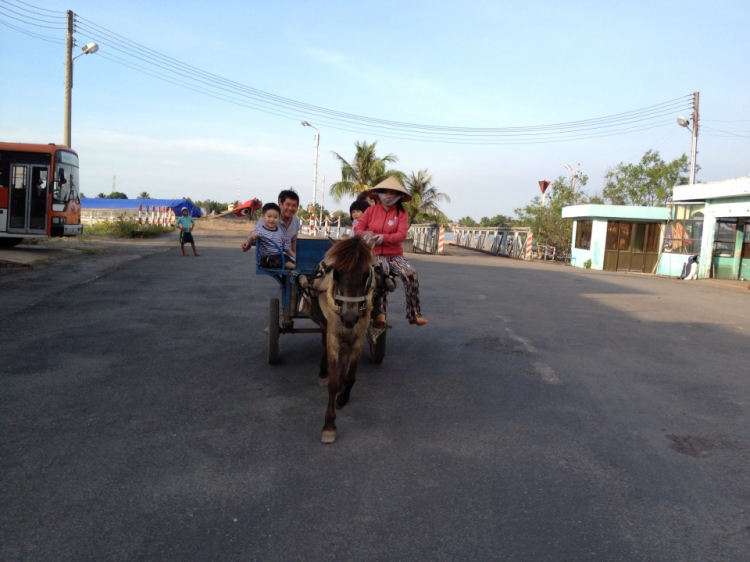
(467, 64)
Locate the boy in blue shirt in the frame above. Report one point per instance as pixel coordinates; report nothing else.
(268, 233)
(186, 224)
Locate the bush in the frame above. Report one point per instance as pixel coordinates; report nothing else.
(123, 228)
(587, 264)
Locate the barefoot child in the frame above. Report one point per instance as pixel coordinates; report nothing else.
(186, 224)
(267, 234)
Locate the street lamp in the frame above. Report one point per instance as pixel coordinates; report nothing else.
(88, 49)
(574, 178)
(315, 169)
(682, 122)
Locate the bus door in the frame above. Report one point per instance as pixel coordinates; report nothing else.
(28, 199)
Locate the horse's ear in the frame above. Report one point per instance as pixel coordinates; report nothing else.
(333, 241)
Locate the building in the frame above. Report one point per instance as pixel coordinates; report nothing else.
(710, 220)
(616, 237)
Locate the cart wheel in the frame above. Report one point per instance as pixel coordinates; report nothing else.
(273, 333)
(377, 349)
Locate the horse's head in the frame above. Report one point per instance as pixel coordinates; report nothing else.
(351, 291)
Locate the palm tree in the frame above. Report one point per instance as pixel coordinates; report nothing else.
(363, 172)
(424, 198)
(144, 195)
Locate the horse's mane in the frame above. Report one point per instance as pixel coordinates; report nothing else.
(352, 255)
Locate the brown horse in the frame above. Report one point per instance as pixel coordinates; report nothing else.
(344, 298)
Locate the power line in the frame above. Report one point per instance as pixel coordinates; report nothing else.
(35, 35)
(37, 8)
(162, 67)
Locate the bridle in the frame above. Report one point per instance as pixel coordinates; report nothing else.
(336, 300)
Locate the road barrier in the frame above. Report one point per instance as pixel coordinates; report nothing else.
(501, 241)
(425, 237)
(441, 242)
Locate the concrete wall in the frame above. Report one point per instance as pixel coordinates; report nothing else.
(579, 256)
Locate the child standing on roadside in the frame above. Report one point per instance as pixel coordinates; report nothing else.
(267, 234)
(186, 225)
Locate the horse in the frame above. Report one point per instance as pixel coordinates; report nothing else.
(342, 294)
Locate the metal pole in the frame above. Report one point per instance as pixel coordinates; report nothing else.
(68, 80)
(322, 198)
(315, 170)
(694, 144)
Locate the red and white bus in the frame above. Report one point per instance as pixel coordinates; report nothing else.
(39, 192)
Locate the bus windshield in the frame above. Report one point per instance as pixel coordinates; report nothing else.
(65, 184)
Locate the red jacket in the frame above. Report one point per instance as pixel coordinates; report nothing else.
(392, 224)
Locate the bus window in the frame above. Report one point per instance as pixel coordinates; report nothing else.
(66, 183)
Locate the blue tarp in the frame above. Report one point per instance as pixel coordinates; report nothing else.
(132, 204)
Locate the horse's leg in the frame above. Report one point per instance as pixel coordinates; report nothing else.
(350, 360)
(334, 386)
(323, 373)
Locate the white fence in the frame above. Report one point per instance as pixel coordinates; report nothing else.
(513, 242)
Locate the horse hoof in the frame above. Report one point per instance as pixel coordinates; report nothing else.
(328, 436)
(341, 402)
(323, 382)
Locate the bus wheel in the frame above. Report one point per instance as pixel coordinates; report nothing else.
(9, 242)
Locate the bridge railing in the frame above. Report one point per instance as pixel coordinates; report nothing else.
(501, 241)
(425, 237)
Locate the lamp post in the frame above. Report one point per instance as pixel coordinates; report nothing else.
(315, 169)
(89, 48)
(574, 177)
(682, 122)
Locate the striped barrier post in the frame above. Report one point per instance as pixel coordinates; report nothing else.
(441, 242)
(140, 210)
(528, 246)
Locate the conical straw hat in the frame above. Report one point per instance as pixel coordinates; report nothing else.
(395, 185)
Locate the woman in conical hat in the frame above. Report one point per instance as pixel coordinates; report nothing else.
(388, 222)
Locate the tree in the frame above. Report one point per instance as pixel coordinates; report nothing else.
(144, 195)
(212, 206)
(101, 196)
(497, 220)
(425, 197)
(547, 224)
(364, 171)
(117, 195)
(467, 221)
(648, 183)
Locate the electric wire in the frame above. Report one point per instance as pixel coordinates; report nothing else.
(36, 8)
(193, 72)
(31, 34)
(173, 71)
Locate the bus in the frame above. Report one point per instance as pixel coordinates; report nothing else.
(39, 192)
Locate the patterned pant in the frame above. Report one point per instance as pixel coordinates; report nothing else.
(399, 266)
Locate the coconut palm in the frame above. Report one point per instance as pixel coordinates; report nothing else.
(363, 172)
(424, 198)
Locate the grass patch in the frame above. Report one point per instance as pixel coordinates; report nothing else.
(122, 228)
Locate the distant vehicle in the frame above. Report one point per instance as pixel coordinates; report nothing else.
(39, 192)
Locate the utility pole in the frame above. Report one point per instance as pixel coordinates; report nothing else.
(322, 191)
(68, 80)
(114, 183)
(694, 144)
(238, 191)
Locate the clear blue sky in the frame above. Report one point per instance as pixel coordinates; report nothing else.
(467, 64)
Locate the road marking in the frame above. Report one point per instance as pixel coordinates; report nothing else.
(547, 374)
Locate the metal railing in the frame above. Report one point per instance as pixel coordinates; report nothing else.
(501, 241)
(425, 237)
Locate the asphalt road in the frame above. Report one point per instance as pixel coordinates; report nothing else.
(545, 414)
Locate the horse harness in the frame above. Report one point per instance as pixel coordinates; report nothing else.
(322, 281)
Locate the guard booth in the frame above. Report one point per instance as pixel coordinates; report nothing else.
(616, 237)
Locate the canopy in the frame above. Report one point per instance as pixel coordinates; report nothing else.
(133, 204)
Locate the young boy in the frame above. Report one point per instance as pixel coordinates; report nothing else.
(186, 224)
(269, 234)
